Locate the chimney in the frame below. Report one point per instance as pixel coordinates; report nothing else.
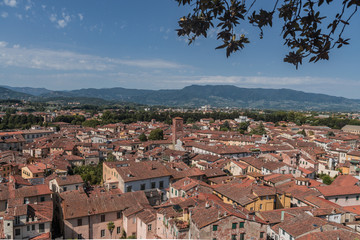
(282, 215)
(186, 215)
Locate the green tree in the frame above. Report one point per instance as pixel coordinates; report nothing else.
(110, 157)
(91, 123)
(143, 137)
(156, 134)
(242, 127)
(90, 173)
(302, 132)
(330, 134)
(304, 27)
(225, 126)
(110, 227)
(327, 179)
(259, 130)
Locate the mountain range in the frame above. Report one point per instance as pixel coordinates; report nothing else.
(192, 96)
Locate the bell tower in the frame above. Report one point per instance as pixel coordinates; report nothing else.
(177, 128)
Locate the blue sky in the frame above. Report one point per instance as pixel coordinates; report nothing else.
(67, 44)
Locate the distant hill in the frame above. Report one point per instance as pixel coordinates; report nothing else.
(214, 95)
(29, 90)
(6, 93)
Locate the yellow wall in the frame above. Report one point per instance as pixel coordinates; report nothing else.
(266, 204)
(26, 173)
(345, 170)
(283, 201)
(352, 157)
(262, 204)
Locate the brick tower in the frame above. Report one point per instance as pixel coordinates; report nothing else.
(177, 128)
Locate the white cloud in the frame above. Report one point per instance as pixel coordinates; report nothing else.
(19, 16)
(61, 23)
(81, 16)
(3, 44)
(53, 17)
(256, 80)
(16, 46)
(10, 3)
(4, 14)
(67, 61)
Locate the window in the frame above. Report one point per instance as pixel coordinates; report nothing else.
(161, 184)
(42, 199)
(242, 224)
(41, 227)
(103, 218)
(28, 228)
(33, 227)
(128, 189)
(261, 234)
(347, 198)
(336, 199)
(283, 231)
(357, 198)
(118, 215)
(77, 187)
(118, 230)
(242, 236)
(260, 206)
(17, 231)
(233, 237)
(79, 236)
(65, 188)
(215, 227)
(153, 184)
(79, 222)
(102, 233)
(17, 220)
(234, 225)
(149, 227)
(142, 186)
(26, 201)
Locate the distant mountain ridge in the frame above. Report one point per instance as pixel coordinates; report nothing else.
(214, 95)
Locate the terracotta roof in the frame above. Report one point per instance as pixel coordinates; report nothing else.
(345, 180)
(244, 193)
(30, 191)
(274, 216)
(68, 180)
(98, 203)
(135, 171)
(301, 224)
(354, 209)
(330, 190)
(147, 216)
(331, 235)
